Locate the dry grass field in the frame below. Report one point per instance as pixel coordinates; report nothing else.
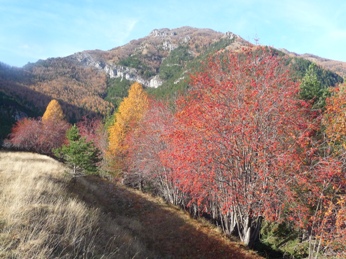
(46, 215)
(40, 219)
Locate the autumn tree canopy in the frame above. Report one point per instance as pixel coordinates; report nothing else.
(53, 111)
(239, 140)
(36, 136)
(326, 181)
(144, 168)
(41, 136)
(130, 111)
(334, 118)
(93, 130)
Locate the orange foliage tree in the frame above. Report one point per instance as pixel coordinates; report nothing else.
(130, 112)
(53, 111)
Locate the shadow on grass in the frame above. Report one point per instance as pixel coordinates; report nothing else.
(268, 252)
(163, 229)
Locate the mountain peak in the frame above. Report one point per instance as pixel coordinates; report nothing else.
(147, 53)
(93, 81)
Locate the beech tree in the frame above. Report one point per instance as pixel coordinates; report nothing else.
(239, 141)
(130, 111)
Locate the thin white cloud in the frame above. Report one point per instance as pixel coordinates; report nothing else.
(120, 34)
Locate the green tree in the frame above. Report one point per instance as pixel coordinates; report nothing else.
(311, 88)
(80, 155)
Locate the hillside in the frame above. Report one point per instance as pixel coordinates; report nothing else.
(45, 215)
(332, 65)
(93, 82)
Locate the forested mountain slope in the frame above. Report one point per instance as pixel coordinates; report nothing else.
(94, 82)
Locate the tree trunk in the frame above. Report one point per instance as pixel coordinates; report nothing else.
(229, 224)
(140, 182)
(250, 231)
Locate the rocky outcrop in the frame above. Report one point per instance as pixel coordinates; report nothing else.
(127, 73)
(151, 51)
(115, 71)
(167, 45)
(231, 35)
(162, 32)
(155, 82)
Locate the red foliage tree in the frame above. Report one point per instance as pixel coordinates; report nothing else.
(325, 182)
(41, 136)
(144, 166)
(94, 131)
(25, 134)
(324, 195)
(237, 148)
(36, 136)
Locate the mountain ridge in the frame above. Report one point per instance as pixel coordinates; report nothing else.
(336, 66)
(153, 48)
(93, 82)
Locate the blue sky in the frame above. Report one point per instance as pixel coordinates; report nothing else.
(39, 29)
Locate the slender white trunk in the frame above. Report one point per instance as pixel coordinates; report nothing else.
(249, 230)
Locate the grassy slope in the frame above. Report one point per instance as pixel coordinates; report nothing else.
(40, 219)
(44, 215)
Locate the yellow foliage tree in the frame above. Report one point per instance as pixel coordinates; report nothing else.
(53, 112)
(130, 112)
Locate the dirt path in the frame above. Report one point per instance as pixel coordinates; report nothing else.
(164, 229)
